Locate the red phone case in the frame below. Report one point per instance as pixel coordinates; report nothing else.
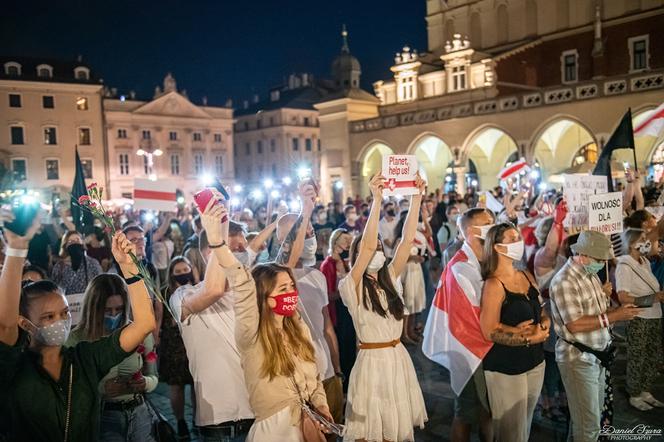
(202, 199)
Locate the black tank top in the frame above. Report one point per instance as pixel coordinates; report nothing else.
(516, 308)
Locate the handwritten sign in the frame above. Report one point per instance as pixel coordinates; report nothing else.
(400, 171)
(576, 190)
(75, 302)
(605, 213)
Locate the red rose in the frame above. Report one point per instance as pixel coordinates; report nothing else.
(84, 200)
(107, 229)
(93, 204)
(137, 376)
(151, 357)
(92, 186)
(140, 349)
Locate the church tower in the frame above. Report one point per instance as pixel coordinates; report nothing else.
(346, 69)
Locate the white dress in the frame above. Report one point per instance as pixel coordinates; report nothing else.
(384, 397)
(414, 292)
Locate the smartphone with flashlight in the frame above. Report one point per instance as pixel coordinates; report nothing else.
(203, 197)
(626, 165)
(24, 208)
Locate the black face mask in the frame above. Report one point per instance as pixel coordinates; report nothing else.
(366, 213)
(77, 253)
(344, 254)
(391, 212)
(184, 278)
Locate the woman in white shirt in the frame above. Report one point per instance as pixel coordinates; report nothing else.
(636, 284)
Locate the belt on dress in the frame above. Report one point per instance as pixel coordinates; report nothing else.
(229, 429)
(377, 345)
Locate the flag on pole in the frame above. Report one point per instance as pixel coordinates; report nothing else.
(653, 125)
(83, 219)
(622, 138)
(452, 335)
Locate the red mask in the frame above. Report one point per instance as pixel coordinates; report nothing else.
(286, 303)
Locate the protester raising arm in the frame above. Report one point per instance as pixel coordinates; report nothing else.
(214, 284)
(402, 252)
(16, 249)
(141, 304)
(369, 241)
(545, 258)
(293, 244)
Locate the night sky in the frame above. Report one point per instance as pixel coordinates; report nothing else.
(220, 49)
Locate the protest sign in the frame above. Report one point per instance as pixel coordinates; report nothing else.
(154, 195)
(576, 190)
(605, 214)
(75, 302)
(400, 171)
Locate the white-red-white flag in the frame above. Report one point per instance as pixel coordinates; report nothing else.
(653, 125)
(154, 195)
(452, 335)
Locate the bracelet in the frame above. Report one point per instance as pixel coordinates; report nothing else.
(216, 246)
(16, 253)
(604, 320)
(133, 279)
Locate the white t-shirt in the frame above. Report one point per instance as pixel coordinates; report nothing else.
(386, 231)
(214, 359)
(312, 288)
(637, 279)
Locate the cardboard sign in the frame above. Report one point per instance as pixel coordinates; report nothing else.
(75, 307)
(154, 195)
(605, 213)
(400, 171)
(576, 190)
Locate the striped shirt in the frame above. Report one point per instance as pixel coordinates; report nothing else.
(574, 294)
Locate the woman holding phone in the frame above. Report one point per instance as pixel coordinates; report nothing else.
(636, 284)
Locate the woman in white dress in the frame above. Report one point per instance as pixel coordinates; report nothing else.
(384, 400)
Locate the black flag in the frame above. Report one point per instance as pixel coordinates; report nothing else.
(83, 219)
(622, 138)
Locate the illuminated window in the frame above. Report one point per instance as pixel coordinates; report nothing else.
(82, 103)
(84, 136)
(50, 135)
(87, 169)
(587, 153)
(52, 170)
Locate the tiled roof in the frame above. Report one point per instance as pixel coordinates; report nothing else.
(63, 70)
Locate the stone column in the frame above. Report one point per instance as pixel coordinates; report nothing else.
(460, 172)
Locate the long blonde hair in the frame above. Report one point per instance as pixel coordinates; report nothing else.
(280, 360)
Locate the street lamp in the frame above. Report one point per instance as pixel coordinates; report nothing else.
(150, 154)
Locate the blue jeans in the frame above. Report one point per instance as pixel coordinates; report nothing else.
(221, 437)
(127, 426)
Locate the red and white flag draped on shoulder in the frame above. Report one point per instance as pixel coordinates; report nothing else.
(452, 335)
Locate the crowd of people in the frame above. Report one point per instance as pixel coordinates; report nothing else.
(283, 325)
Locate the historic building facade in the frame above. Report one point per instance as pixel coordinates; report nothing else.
(167, 138)
(48, 107)
(547, 81)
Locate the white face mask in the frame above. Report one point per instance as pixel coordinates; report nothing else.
(454, 218)
(484, 230)
(54, 335)
(243, 257)
(322, 218)
(376, 262)
(644, 247)
(352, 217)
(308, 256)
(514, 250)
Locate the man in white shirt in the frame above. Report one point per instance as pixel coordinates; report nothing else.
(386, 227)
(207, 322)
(313, 301)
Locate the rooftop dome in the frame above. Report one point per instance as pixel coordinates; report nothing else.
(346, 68)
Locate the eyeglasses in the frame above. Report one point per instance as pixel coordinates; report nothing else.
(137, 240)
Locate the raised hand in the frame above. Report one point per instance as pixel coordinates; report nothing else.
(308, 197)
(213, 219)
(121, 248)
(376, 186)
(561, 212)
(420, 184)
